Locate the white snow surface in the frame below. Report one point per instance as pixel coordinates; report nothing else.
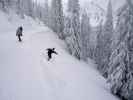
(25, 74)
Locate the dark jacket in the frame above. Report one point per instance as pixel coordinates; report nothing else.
(19, 31)
(50, 51)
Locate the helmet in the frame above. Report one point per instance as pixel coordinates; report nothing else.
(53, 49)
(21, 28)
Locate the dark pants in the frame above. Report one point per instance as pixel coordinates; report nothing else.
(19, 38)
(49, 56)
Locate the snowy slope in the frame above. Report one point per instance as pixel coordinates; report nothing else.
(25, 74)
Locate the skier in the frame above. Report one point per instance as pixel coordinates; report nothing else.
(19, 33)
(50, 52)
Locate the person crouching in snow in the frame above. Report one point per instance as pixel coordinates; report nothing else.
(19, 33)
(50, 52)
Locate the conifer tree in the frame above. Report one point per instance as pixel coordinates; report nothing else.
(57, 19)
(121, 60)
(106, 41)
(85, 35)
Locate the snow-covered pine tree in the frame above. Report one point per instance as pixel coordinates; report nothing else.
(38, 11)
(85, 35)
(41, 13)
(73, 6)
(8, 3)
(71, 40)
(121, 60)
(67, 26)
(27, 6)
(30, 8)
(46, 13)
(99, 45)
(24, 7)
(70, 5)
(52, 15)
(107, 41)
(19, 8)
(74, 40)
(57, 18)
(2, 4)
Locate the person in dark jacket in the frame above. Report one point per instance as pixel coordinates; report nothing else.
(19, 33)
(50, 52)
